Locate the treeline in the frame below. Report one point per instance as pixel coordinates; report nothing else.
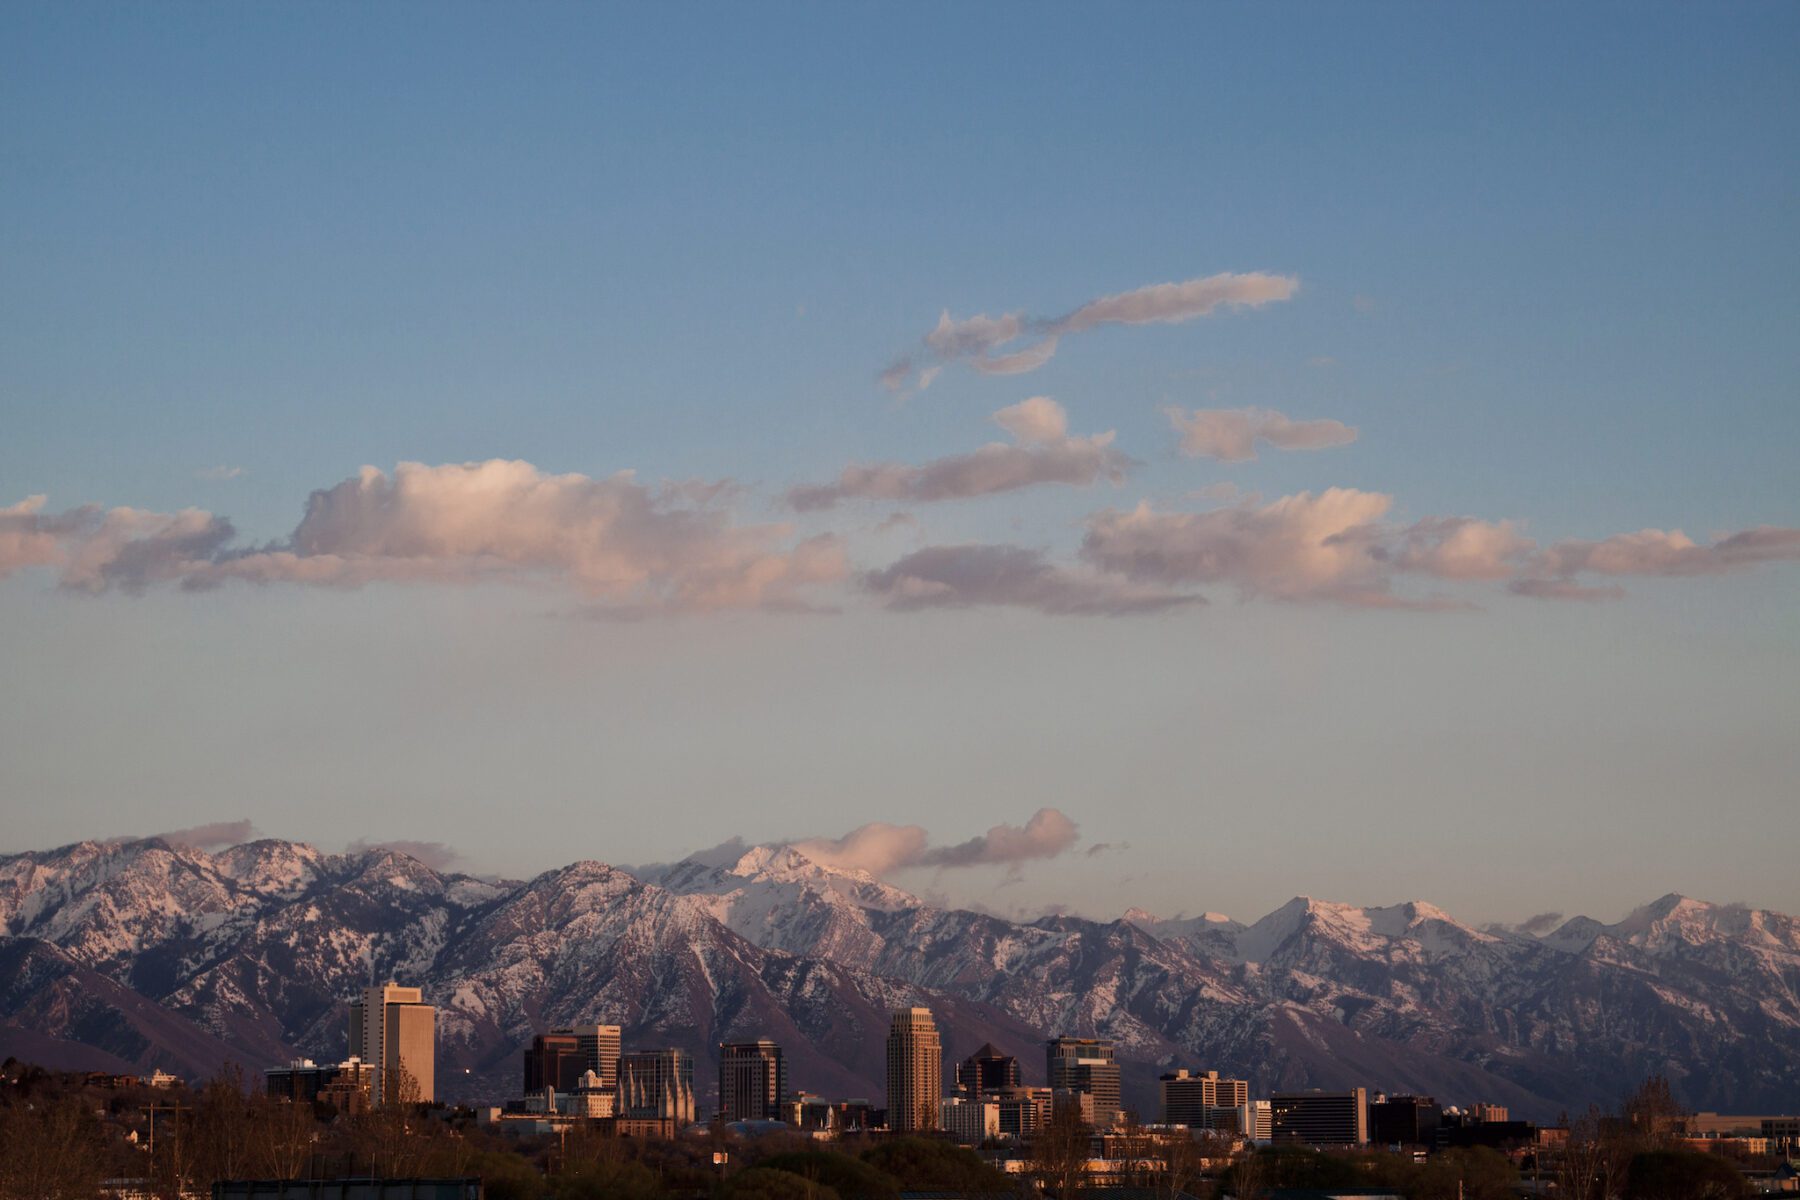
(62, 1137)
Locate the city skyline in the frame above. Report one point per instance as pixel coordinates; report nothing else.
(1338, 453)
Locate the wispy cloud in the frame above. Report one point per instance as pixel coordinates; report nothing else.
(1231, 434)
(1042, 452)
(881, 848)
(988, 343)
(217, 835)
(975, 575)
(219, 473)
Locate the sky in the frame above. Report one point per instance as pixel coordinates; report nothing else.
(1307, 449)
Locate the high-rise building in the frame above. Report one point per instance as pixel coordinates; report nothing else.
(1321, 1118)
(599, 1046)
(345, 1085)
(915, 1067)
(969, 1120)
(1085, 1065)
(554, 1061)
(1201, 1101)
(1255, 1122)
(752, 1081)
(395, 1033)
(1404, 1120)
(987, 1070)
(657, 1085)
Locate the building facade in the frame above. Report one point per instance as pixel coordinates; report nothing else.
(1201, 1101)
(394, 1031)
(971, 1121)
(986, 1070)
(1321, 1118)
(1085, 1065)
(915, 1066)
(599, 1046)
(657, 1085)
(752, 1081)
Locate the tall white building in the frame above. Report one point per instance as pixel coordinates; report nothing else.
(394, 1031)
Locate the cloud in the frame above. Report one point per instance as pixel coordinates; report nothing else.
(981, 341)
(219, 834)
(880, 848)
(1656, 552)
(219, 473)
(1042, 452)
(28, 538)
(1299, 547)
(435, 855)
(969, 575)
(1462, 548)
(1231, 434)
(623, 545)
(1562, 589)
(1541, 923)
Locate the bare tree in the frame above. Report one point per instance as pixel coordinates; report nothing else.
(282, 1136)
(1060, 1152)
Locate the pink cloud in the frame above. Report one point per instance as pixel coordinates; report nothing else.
(1231, 434)
(981, 575)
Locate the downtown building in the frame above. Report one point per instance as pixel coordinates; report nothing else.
(753, 1084)
(656, 1090)
(1202, 1101)
(987, 1070)
(394, 1032)
(1085, 1066)
(1320, 1118)
(915, 1071)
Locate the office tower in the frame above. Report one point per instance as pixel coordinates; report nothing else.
(1255, 1122)
(1404, 1121)
(555, 1060)
(915, 1065)
(1201, 1101)
(395, 1033)
(970, 1121)
(1085, 1065)
(599, 1046)
(657, 1085)
(987, 1070)
(752, 1081)
(1024, 1110)
(1321, 1118)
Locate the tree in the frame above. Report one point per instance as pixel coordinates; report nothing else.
(1684, 1175)
(282, 1137)
(925, 1165)
(50, 1150)
(850, 1178)
(1652, 1114)
(1060, 1152)
(767, 1183)
(1591, 1163)
(1473, 1174)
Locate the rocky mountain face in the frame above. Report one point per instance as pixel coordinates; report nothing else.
(142, 954)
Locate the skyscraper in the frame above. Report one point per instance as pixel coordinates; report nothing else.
(395, 1033)
(1321, 1118)
(987, 1070)
(554, 1061)
(752, 1081)
(599, 1050)
(915, 1071)
(657, 1085)
(1085, 1065)
(1199, 1100)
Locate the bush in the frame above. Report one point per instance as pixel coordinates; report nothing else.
(927, 1165)
(768, 1183)
(1683, 1175)
(850, 1178)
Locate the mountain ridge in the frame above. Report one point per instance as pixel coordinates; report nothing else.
(257, 946)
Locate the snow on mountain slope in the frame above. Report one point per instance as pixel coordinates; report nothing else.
(254, 950)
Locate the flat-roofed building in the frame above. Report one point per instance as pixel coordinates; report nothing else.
(1201, 1100)
(987, 1070)
(1087, 1065)
(1320, 1118)
(395, 1032)
(600, 1048)
(752, 1081)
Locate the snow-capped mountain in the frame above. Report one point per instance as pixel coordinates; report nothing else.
(143, 953)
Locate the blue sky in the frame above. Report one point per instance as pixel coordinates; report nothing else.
(1545, 264)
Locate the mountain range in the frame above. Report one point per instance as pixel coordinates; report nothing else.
(135, 954)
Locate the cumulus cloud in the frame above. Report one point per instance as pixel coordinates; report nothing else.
(435, 855)
(1231, 434)
(881, 848)
(970, 575)
(986, 343)
(617, 541)
(1659, 552)
(1041, 452)
(214, 836)
(1461, 548)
